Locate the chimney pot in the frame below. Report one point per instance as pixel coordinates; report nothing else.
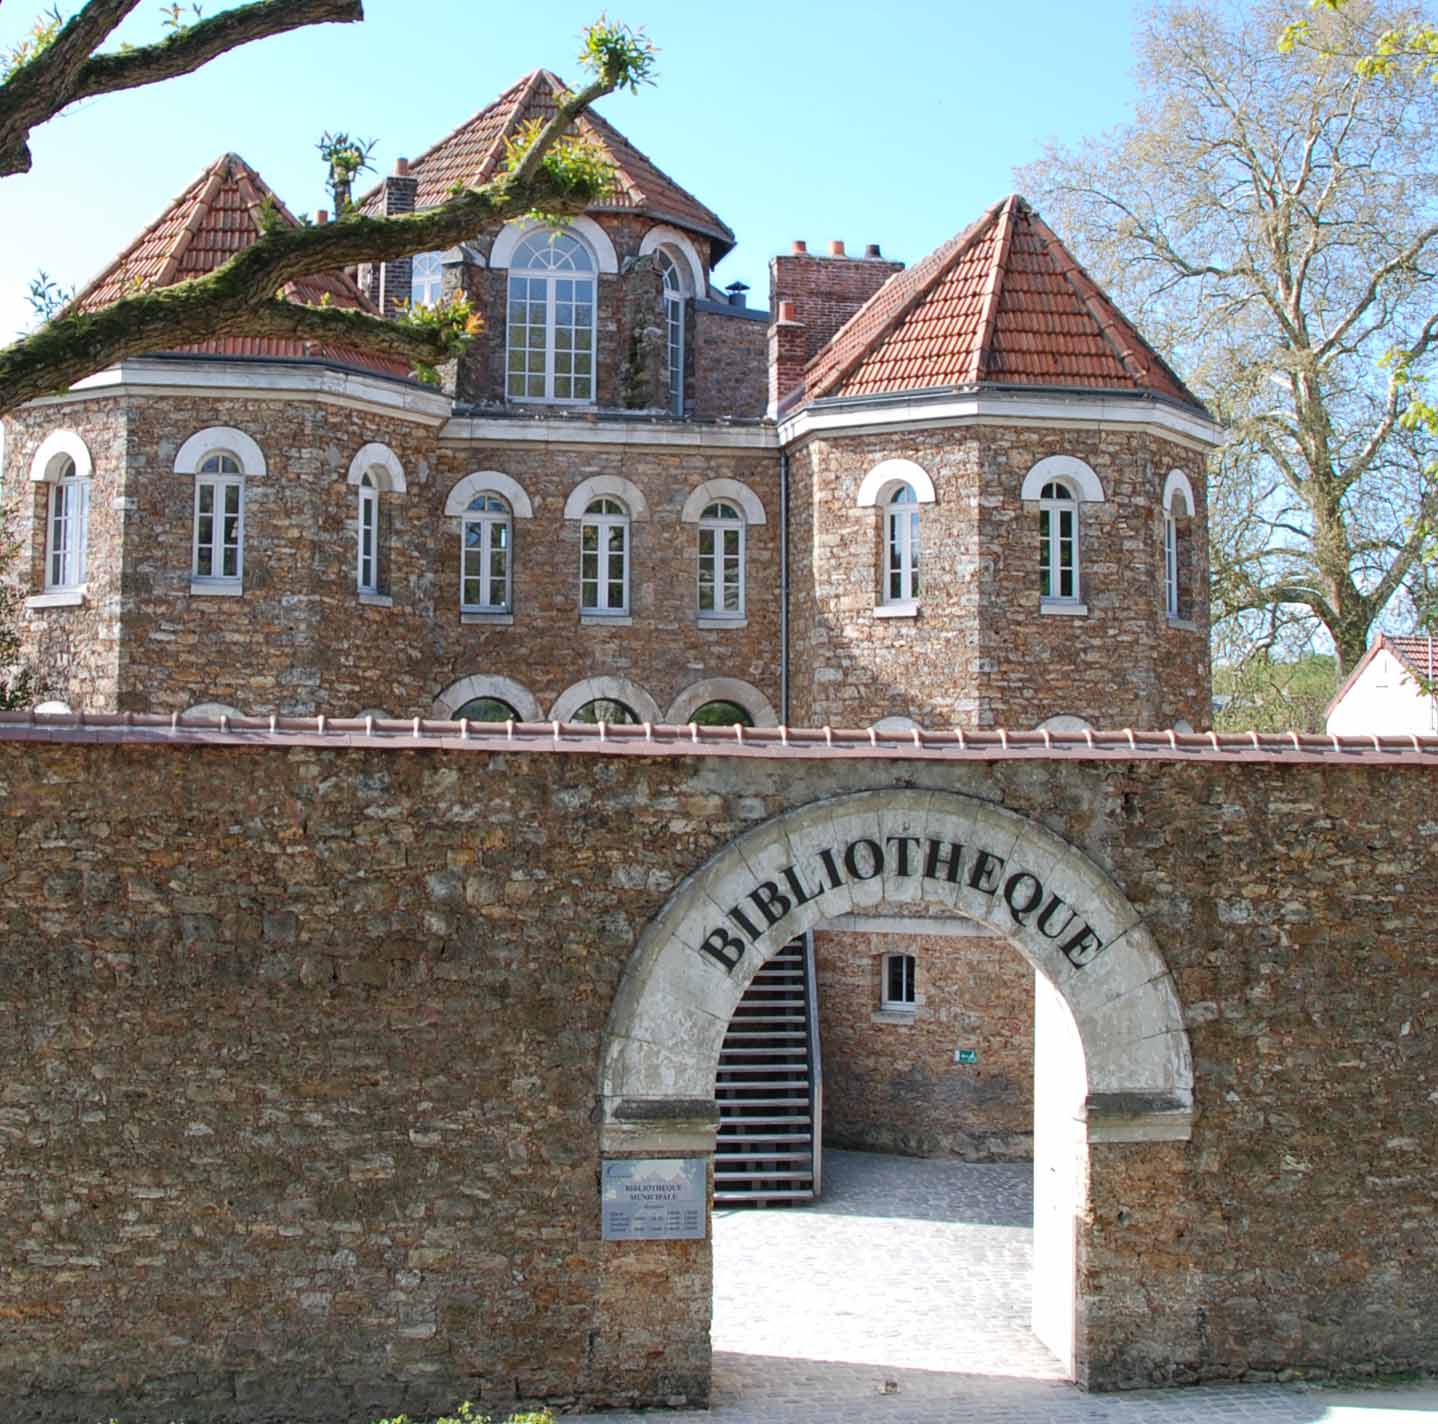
(401, 168)
(322, 217)
(872, 250)
(735, 292)
(786, 311)
(800, 246)
(836, 248)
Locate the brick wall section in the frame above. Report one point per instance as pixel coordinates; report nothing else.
(730, 358)
(400, 192)
(301, 1046)
(826, 291)
(299, 640)
(980, 653)
(890, 1080)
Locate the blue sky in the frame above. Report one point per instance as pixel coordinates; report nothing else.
(893, 122)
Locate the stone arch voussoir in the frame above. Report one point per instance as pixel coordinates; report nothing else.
(694, 961)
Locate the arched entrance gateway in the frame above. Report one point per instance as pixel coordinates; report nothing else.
(1096, 962)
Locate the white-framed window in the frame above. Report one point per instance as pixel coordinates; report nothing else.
(486, 556)
(1177, 512)
(721, 561)
(552, 285)
(896, 985)
(604, 557)
(901, 546)
(219, 537)
(1058, 543)
(67, 528)
(426, 279)
(674, 329)
(367, 527)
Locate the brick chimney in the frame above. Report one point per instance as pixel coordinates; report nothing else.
(398, 194)
(788, 345)
(823, 292)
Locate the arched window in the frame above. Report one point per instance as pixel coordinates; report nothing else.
(897, 986)
(219, 519)
(551, 319)
(721, 714)
(487, 709)
(674, 328)
(1058, 544)
(486, 563)
(367, 576)
(1177, 514)
(901, 546)
(604, 558)
(426, 280)
(68, 527)
(721, 561)
(606, 709)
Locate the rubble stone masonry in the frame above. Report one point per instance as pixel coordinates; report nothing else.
(299, 1051)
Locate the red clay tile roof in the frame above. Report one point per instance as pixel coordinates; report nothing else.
(215, 217)
(472, 155)
(1002, 303)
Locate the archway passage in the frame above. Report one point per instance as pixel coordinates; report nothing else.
(1130, 1073)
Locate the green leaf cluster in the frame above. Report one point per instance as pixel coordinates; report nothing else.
(454, 321)
(39, 38)
(623, 58)
(574, 168)
(466, 1413)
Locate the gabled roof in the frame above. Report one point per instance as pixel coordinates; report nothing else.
(1418, 653)
(1002, 303)
(216, 216)
(474, 153)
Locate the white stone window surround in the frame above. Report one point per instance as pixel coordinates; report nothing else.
(1084, 487)
(682, 248)
(1064, 722)
(63, 462)
(898, 978)
(877, 489)
(457, 504)
(722, 689)
(751, 508)
(199, 450)
(477, 685)
(576, 507)
(606, 689)
(897, 724)
(1178, 503)
(511, 249)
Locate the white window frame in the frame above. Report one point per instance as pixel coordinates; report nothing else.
(712, 529)
(426, 279)
(1177, 504)
(489, 521)
(901, 547)
(551, 277)
(603, 522)
(674, 295)
(909, 977)
(1172, 602)
(367, 537)
(212, 476)
(67, 529)
(1051, 566)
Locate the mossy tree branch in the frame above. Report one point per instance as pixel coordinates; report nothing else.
(68, 69)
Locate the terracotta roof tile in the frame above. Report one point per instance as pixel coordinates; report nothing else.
(472, 155)
(216, 216)
(1002, 303)
(1418, 653)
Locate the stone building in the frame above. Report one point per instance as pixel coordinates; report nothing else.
(962, 494)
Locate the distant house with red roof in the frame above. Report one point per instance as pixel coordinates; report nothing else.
(965, 492)
(1391, 690)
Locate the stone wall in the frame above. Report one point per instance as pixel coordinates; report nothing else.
(979, 652)
(301, 639)
(301, 1047)
(891, 1079)
(730, 353)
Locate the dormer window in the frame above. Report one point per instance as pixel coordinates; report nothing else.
(551, 320)
(426, 281)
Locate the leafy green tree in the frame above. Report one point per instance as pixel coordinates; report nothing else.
(19, 686)
(1268, 694)
(1272, 220)
(62, 61)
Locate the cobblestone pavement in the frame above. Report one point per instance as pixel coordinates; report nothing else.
(903, 1298)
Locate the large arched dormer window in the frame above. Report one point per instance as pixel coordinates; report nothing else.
(552, 294)
(675, 291)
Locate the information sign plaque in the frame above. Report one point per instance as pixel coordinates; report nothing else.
(654, 1199)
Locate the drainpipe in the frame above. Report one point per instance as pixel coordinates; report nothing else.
(784, 588)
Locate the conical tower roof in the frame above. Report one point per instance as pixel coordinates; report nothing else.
(219, 214)
(474, 153)
(1002, 303)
